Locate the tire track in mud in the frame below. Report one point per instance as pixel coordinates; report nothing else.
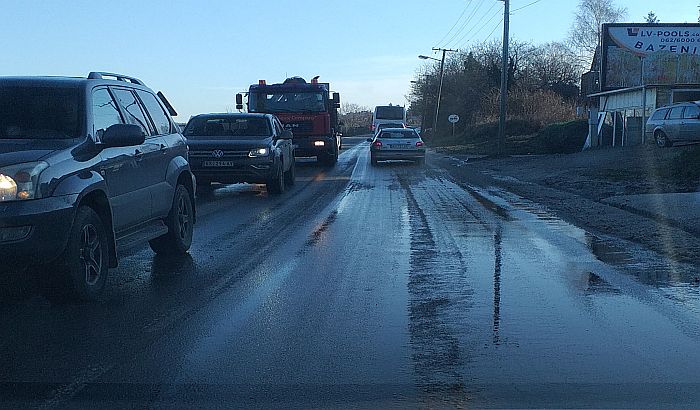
(437, 355)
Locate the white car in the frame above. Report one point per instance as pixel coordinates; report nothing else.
(397, 144)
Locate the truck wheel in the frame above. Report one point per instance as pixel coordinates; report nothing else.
(290, 176)
(328, 159)
(275, 185)
(86, 257)
(180, 226)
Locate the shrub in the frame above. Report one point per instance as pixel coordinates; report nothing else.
(561, 138)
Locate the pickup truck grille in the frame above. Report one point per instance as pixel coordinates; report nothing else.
(227, 154)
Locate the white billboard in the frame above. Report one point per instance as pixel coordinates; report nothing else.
(645, 40)
(669, 53)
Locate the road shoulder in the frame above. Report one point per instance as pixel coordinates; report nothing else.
(594, 215)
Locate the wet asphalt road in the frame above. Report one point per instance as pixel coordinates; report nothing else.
(367, 287)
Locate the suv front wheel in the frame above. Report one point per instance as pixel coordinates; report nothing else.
(290, 177)
(276, 184)
(180, 222)
(86, 256)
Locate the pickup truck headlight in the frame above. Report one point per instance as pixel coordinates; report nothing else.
(259, 152)
(20, 182)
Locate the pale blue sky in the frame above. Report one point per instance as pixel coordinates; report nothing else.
(200, 53)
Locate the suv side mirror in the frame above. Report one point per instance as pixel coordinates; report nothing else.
(239, 101)
(286, 135)
(123, 135)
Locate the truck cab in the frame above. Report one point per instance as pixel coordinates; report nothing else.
(308, 110)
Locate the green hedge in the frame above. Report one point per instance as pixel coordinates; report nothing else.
(561, 138)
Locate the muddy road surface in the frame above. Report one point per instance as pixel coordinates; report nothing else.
(374, 287)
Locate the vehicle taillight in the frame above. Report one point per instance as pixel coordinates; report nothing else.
(377, 143)
(419, 144)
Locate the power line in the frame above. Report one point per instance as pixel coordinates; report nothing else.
(483, 25)
(476, 24)
(458, 20)
(494, 29)
(465, 24)
(527, 5)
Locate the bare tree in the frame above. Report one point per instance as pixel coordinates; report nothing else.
(585, 31)
(651, 18)
(552, 66)
(348, 107)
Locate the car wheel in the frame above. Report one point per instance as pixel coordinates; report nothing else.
(86, 257)
(662, 140)
(373, 160)
(180, 222)
(290, 177)
(276, 185)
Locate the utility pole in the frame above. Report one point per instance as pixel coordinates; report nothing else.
(504, 80)
(442, 71)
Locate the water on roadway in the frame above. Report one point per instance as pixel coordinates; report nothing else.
(371, 287)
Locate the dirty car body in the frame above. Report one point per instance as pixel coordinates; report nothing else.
(234, 148)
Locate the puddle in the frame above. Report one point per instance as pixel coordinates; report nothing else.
(676, 280)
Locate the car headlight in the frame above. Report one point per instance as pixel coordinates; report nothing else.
(259, 152)
(20, 182)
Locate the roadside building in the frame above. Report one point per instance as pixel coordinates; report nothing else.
(638, 68)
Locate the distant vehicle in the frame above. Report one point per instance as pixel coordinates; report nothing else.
(388, 125)
(397, 144)
(388, 114)
(306, 109)
(675, 123)
(89, 166)
(232, 148)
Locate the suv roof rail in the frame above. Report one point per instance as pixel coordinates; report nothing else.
(99, 75)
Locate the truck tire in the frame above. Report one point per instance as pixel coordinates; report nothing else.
(180, 226)
(329, 159)
(275, 185)
(85, 260)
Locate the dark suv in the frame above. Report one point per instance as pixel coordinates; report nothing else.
(89, 166)
(233, 148)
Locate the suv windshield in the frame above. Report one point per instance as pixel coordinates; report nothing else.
(227, 126)
(40, 112)
(287, 102)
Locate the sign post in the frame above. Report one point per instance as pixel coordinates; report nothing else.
(454, 119)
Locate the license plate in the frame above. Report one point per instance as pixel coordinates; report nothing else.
(400, 146)
(219, 163)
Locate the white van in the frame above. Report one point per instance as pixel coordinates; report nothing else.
(388, 113)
